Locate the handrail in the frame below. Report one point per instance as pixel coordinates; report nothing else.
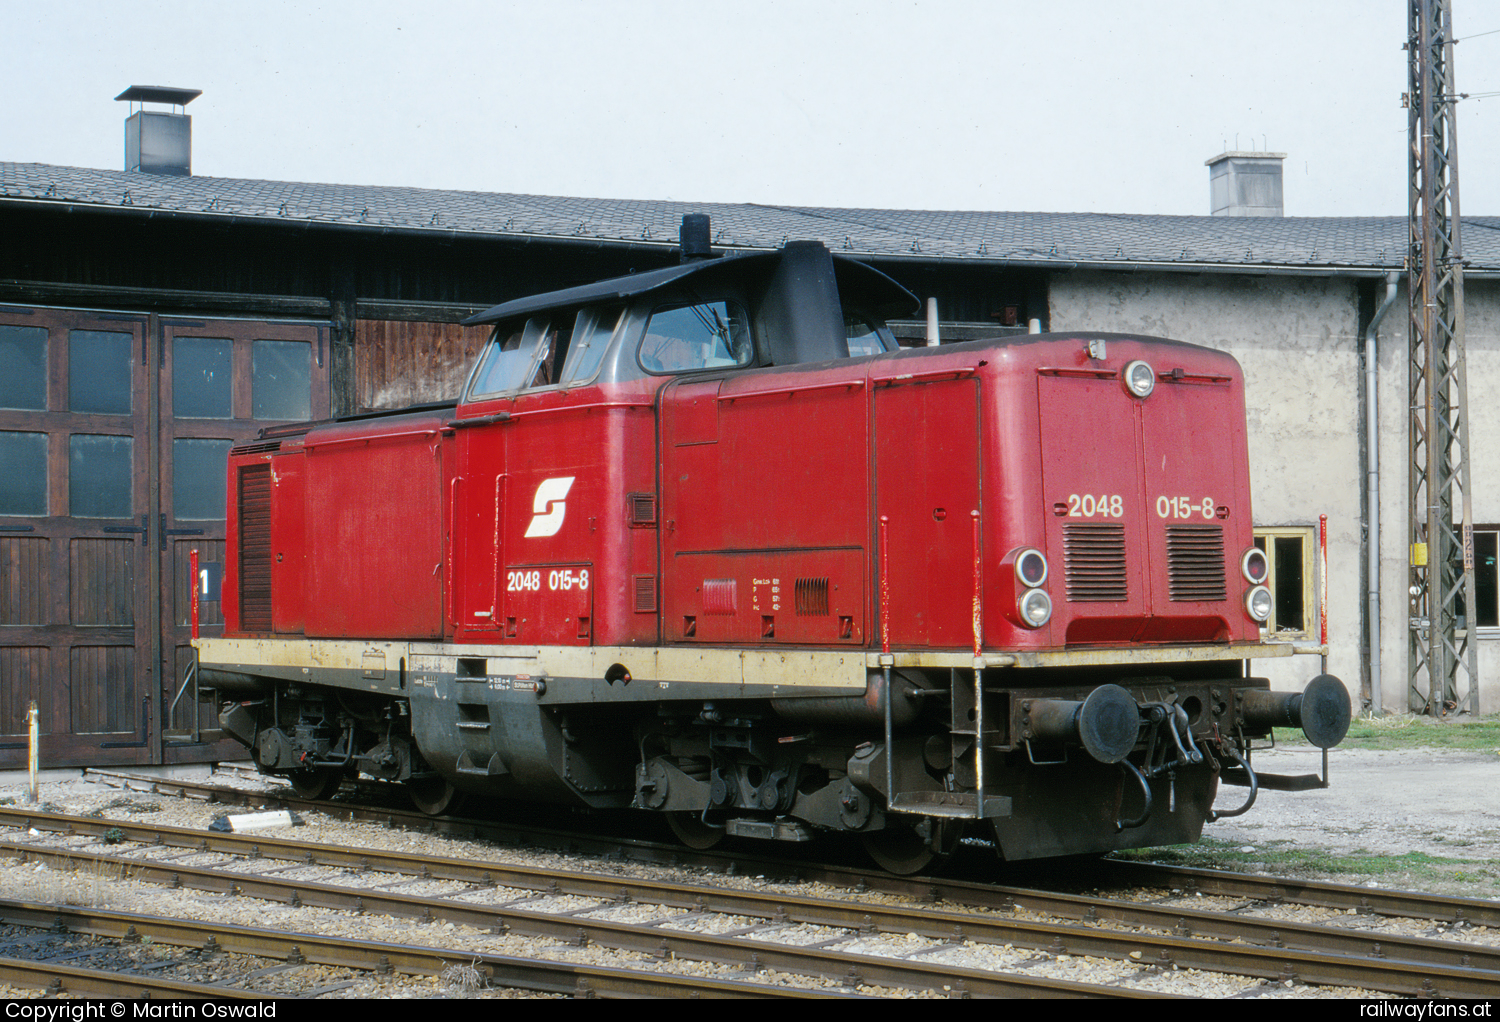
(511, 416)
(858, 384)
(190, 676)
(956, 373)
(366, 438)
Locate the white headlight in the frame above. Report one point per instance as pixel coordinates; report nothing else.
(1140, 378)
(1036, 608)
(1258, 603)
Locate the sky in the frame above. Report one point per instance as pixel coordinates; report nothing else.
(1062, 106)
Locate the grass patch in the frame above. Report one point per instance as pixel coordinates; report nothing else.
(1285, 858)
(1410, 731)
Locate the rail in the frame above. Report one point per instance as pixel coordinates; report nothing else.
(1273, 949)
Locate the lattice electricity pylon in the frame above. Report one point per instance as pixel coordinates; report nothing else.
(1442, 547)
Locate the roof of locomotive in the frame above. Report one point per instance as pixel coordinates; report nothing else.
(863, 284)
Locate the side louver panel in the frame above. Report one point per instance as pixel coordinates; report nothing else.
(1094, 563)
(255, 547)
(1195, 563)
(812, 596)
(645, 593)
(642, 509)
(720, 596)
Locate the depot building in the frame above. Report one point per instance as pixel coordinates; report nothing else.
(150, 318)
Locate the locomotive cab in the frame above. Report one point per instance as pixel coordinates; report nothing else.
(704, 541)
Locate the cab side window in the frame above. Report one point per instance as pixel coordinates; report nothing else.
(508, 358)
(683, 338)
(518, 357)
(593, 332)
(864, 339)
(552, 354)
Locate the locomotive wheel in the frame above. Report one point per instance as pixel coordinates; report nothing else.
(900, 849)
(693, 832)
(318, 784)
(435, 796)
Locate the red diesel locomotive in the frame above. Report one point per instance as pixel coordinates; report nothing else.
(705, 541)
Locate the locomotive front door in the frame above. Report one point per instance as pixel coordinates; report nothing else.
(927, 484)
(765, 496)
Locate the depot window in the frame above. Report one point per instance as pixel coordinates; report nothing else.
(1486, 576)
(1289, 552)
(684, 338)
(23, 367)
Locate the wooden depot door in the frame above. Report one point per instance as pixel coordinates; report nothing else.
(74, 533)
(112, 444)
(220, 382)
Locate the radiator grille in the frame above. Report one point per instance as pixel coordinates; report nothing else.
(255, 548)
(1094, 562)
(263, 447)
(812, 596)
(1195, 563)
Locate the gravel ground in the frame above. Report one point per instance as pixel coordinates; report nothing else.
(1387, 803)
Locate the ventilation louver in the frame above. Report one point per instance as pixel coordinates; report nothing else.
(720, 596)
(255, 547)
(812, 597)
(1094, 563)
(645, 594)
(1195, 563)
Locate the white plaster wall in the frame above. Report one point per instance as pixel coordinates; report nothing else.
(1482, 347)
(1296, 339)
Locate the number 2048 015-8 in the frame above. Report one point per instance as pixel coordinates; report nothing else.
(565, 579)
(1113, 506)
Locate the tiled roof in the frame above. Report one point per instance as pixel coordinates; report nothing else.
(1307, 244)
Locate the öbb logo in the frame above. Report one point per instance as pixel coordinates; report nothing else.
(549, 508)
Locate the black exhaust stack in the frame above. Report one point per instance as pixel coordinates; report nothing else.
(694, 238)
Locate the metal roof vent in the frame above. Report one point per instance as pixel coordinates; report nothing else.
(156, 141)
(1245, 184)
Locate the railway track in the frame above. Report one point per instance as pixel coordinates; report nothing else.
(57, 978)
(275, 951)
(40, 950)
(1018, 928)
(699, 931)
(1188, 882)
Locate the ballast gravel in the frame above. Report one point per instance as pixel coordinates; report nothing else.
(73, 795)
